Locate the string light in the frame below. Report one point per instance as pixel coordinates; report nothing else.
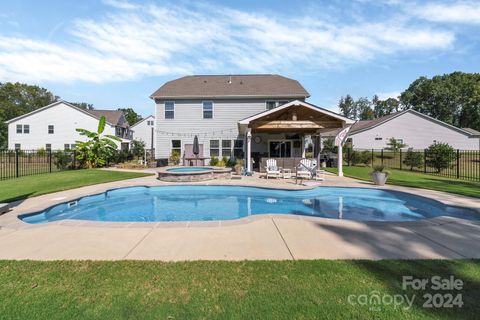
(199, 134)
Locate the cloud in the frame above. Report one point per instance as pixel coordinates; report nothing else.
(464, 12)
(133, 40)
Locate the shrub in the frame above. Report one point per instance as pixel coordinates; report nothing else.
(62, 159)
(231, 162)
(440, 156)
(174, 157)
(413, 159)
(130, 165)
(138, 148)
(41, 152)
(213, 161)
(329, 146)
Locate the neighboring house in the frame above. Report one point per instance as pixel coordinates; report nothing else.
(241, 116)
(144, 130)
(53, 127)
(413, 128)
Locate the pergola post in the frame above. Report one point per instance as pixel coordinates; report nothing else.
(249, 152)
(303, 146)
(340, 160)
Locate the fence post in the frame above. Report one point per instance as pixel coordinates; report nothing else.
(382, 156)
(348, 156)
(50, 160)
(16, 163)
(424, 160)
(400, 159)
(458, 164)
(373, 158)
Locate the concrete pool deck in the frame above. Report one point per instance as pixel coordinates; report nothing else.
(260, 237)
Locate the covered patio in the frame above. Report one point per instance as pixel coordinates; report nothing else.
(282, 133)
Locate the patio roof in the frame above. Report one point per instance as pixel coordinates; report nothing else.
(295, 116)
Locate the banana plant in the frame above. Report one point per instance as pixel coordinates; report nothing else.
(96, 151)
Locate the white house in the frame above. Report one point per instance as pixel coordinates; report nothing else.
(144, 130)
(54, 127)
(413, 128)
(241, 116)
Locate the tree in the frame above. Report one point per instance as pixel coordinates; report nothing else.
(96, 151)
(329, 146)
(347, 107)
(138, 148)
(363, 107)
(384, 107)
(440, 156)
(413, 159)
(16, 99)
(130, 115)
(453, 98)
(394, 145)
(83, 105)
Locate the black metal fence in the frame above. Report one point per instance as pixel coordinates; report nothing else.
(459, 164)
(19, 163)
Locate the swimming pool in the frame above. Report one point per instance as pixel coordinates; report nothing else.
(207, 203)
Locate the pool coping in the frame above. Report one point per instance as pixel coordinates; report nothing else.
(31, 205)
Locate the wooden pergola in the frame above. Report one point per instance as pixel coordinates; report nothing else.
(294, 117)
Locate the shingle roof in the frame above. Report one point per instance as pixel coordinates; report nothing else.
(264, 85)
(112, 116)
(472, 131)
(365, 124)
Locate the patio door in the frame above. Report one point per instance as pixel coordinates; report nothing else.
(280, 149)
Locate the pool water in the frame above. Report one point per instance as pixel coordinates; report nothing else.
(206, 203)
(189, 169)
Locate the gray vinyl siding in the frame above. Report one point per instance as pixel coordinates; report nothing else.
(189, 120)
(416, 131)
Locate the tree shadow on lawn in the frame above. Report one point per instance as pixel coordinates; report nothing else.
(391, 273)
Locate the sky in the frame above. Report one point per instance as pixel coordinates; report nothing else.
(115, 53)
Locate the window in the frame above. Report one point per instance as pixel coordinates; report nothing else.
(177, 146)
(378, 138)
(400, 141)
(17, 146)
(26, 128)
(214, 148)
(149, 123)
(48, 146)
(270, 105)
(226, 148)
(169, 110)
(207, 109)
(66, 146)
(238, 149)
(51, 129)
(19, 128)
(73, 146)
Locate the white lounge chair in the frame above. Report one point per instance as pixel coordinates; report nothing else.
(305, 169)
(272, 169)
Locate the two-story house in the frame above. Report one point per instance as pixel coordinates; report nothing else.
(241, 116)
(54, 127)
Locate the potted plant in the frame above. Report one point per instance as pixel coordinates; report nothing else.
(379, 175)
(239, 166)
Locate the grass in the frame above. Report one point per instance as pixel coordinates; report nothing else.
(225, 290)
(24, 187)
(417, 180)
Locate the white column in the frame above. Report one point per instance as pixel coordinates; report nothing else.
(340, 160)
(249, 151)
(303, 146)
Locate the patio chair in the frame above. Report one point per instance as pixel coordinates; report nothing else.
(320, 175)
(272, 169)
(306, 169)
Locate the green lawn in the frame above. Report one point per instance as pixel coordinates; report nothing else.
(24, 187)
(225, 290)
(418, 180)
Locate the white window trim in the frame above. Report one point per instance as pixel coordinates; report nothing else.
(165, 110)
(213, 110)
(266, 104)
(171, 146)
(219, 148)
(53, 129)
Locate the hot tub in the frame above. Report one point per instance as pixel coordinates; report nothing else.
(191, 174)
